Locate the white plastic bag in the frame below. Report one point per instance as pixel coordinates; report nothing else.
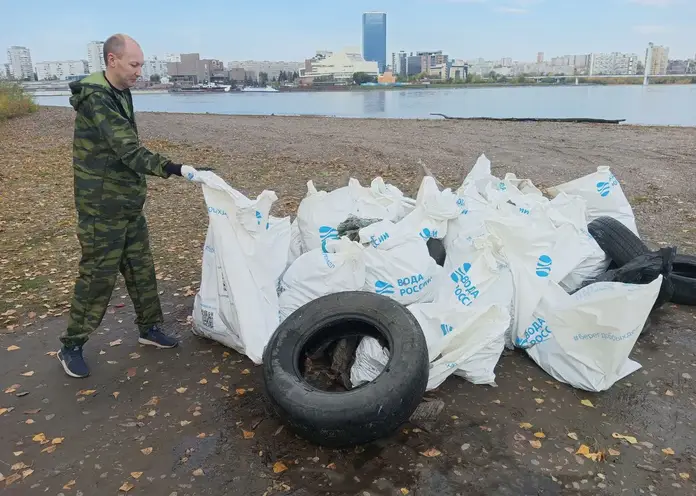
(603, 194)
(585, 339)
(318, 273)
(402, 269)
(321, 212)
(296, 248)
(245, 252)
(467, 343)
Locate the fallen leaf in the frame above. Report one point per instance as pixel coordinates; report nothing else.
(197, 413)
(28, 374)
(184, 423)
(70, 484)
(58, 440)
(246, 372)
(225, 389)
(584, 450)
(248, 434)
(668, 451)
(535, 443)
(31, 315)
(539, 401)
(18, 453)
(630, 439)
(32, 412)
(12, 388)
(279, 467)
(613, 452)
(240, 391)
(431, 453)
(115, 394)
(29, 421)
(146, 451)
(12, 479)
(684, 475)
(127, 486)
(216, 370)
(540, 435)
(136, 475)
(131, 371)
(49, 449)
(526, 425)
(181, 390)
(102, 352)
(27, 473)
(134, 356)
(18, 466)
(52, 353)
(669, 393)
(39, 438)
(4, 410)
(203, 381)
(13, 348)
(587, 403)
(201, 435)
(225, 354)
(152, 413)
(573, 436)
(198, 472)
(153, 401)
(115, 343)
(86, 392)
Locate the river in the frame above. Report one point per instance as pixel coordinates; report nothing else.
(662, 105)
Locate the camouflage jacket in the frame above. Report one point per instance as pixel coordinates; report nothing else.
(109, 162)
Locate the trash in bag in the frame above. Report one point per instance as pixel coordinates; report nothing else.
(320, 212)
(603, 194)
(350, 227)
(644, 270)
(465, 342)
(584, 339)
(339, 267)
(246, 250)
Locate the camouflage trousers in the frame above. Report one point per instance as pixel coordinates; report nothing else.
(110, 246)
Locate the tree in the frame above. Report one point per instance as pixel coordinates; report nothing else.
(363, 77)
(263, 78)
(155, 78)
(640, 68)
(295, 75)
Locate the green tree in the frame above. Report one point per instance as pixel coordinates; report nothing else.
(155, 78)
(363, 77)
(295, 75)
(263, 78)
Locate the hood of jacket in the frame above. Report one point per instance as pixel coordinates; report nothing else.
(86, 86)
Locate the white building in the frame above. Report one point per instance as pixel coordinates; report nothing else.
(659, 60)
(614, 63)
(95, 56)
(19, 59)
(341, 66)
(172, 57)
(272, 68)
(154, 67)
(61, 69)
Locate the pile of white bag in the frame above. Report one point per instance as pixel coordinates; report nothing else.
(513, 257)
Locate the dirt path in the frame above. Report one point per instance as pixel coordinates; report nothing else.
(482, 433)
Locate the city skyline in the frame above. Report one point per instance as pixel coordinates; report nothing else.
(489, 29)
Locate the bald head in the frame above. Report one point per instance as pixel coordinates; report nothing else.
(124, 59)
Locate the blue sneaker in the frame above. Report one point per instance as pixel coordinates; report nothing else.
(72, 361)
(155, 337)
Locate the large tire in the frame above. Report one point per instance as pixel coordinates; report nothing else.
(363, 414)
(617, 240)
(684, 280)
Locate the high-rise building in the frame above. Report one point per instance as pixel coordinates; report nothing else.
(506, 62)
(19, 59)
(95, 56)
(154, 67)
(5, 71)
(400, 63)
(540, 58)
(375, 38)
(62, 70)
(413, 65)
(613, 64)
(659, 60)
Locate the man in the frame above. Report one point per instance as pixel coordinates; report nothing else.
(110, 167)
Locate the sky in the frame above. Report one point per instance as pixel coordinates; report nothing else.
(292, 31)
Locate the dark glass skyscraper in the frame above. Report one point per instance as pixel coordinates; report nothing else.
(375, 38)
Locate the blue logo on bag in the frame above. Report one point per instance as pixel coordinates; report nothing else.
(326, 233)
(502, 186)
(536, 333)
(217, 211)
(259, 217)
(427, 233)
(384, 288)
(446, 329)
(543, 268)
(459, 274)
(461, 203)
(524, 211)
(603, 188)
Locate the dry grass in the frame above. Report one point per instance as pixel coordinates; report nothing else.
(14, 101)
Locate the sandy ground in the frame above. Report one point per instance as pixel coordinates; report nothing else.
(484, 449)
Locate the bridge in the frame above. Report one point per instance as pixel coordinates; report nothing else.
(618, 76)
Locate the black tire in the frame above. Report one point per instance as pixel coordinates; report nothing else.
(684, 280)
(363, 414)
(436, 248)
(617, 240)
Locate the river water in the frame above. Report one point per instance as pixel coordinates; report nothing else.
(663, 105)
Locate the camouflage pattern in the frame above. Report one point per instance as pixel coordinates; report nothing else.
(110, 190)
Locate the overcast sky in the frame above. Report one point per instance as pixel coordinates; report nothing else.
(283, 30)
